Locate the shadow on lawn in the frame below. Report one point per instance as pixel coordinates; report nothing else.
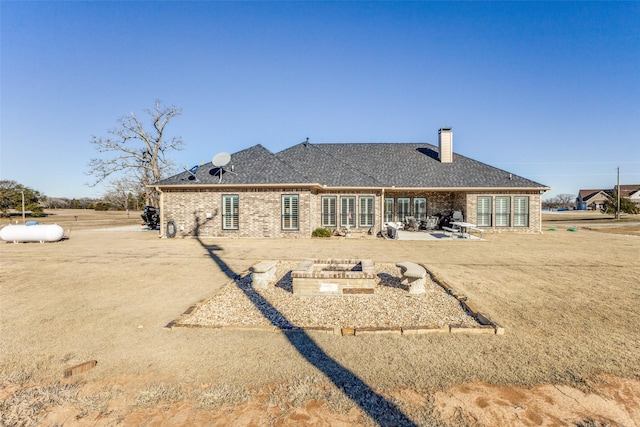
(382, 411)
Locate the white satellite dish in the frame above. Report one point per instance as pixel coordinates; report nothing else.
(221, 159)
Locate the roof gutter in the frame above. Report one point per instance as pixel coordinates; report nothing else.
(392, 188)
(226, 185)
(343, 188)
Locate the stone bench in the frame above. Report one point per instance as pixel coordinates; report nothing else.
(415, 275)
(263, 273)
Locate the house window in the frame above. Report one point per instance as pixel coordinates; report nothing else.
(366, 211)
(388, 210)
(290, 220)
(484, 211)
(404, 204)
(420, 209)
(329, 211)
(230, 212)
(503, 211)
(521, 211)
(348, 211)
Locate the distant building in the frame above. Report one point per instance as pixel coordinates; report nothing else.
(591, 199)
(630, 191)
(361, 187)
(594, 199)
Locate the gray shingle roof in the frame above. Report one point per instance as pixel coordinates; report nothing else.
(324, 167)
(408, 165)
(255, 165)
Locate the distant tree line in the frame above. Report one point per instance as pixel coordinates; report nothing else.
(117, 197)
(564, 200)
(15, 196)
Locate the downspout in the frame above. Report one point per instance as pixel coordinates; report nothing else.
(162, 226)
(311, 203)
(540, 214)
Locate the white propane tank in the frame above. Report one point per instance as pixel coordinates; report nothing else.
(31, 233)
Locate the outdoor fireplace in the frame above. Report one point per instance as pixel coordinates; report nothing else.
(334, 277)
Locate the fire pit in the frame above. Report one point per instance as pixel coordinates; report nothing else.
(334, 277)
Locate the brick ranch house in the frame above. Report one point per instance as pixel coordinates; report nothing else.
(357, 186)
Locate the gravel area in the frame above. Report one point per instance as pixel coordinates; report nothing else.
(238, 304)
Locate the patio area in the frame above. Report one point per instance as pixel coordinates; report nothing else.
(434, 235)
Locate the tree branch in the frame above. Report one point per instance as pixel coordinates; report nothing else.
(136, 151)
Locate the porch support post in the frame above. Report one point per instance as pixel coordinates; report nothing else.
(161, 207)
(381, 210)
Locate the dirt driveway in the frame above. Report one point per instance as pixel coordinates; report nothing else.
(568, 302)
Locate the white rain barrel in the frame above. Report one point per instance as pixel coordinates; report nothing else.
(31, 233)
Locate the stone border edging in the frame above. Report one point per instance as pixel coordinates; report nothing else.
(481, 318)
(487, 326)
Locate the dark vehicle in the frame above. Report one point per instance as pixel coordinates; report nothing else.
(151, 217)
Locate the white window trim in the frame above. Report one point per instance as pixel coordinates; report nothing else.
(406, 213)
(367, 211)
(294, 202)
(480, 214)
(348, 216)
(501, 215)
(390, 213)
(420, 216)
(518, 215)
(332, 214)
(230, 201)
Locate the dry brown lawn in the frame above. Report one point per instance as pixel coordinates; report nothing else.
(568, 301)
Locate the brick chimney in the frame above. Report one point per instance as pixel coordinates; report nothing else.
(445, 145)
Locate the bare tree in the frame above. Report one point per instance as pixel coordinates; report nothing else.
(122, 191)
(563, 200)
(56, 203)
(136, 151)
(566, 200)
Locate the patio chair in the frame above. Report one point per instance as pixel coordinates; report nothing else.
(457, 216)
(411, 223)
(430, 223)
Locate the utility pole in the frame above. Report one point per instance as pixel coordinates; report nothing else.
(618, 195)
(23, 214)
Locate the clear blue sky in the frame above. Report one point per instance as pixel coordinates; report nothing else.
(549, 91)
